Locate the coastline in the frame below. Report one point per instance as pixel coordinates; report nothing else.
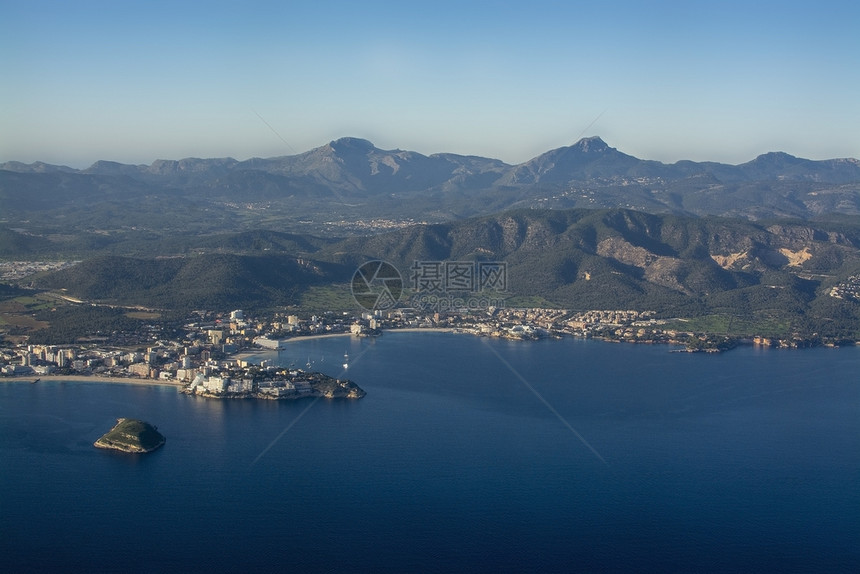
(422, 329)
(255, 352)
(91, 379)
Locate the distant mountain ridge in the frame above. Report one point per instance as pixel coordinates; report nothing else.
(351, 179)
(355, 158)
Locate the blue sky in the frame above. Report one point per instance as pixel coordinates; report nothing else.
(136, 81)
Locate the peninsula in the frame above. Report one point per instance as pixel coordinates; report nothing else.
(277, 385)
(131, 435)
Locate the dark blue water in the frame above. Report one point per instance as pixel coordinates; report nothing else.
(465, 455)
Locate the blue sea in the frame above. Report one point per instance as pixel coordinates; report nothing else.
(467, 454)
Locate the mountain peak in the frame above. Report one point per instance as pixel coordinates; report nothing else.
(349, 143)
(775, 157)
(35, 167)
(592, 144)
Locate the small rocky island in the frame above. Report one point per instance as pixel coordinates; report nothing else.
(131, 435)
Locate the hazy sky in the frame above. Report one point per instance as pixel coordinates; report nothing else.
(134, 81)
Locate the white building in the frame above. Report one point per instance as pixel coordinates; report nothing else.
(267, 343)
(216, 384)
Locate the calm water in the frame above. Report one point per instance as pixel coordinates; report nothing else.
(465, 455)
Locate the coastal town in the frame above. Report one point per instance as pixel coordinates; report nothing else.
(214, 354)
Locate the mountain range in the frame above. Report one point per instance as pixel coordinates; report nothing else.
(774, 242)
(343, 186)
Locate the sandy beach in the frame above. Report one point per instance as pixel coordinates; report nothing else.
(243, 355)
(309, 337)
(391, 330)
(90, 379)
(422, 330)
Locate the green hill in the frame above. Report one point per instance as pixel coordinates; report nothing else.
(676, 265)
(216, 281)
(782, 271)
